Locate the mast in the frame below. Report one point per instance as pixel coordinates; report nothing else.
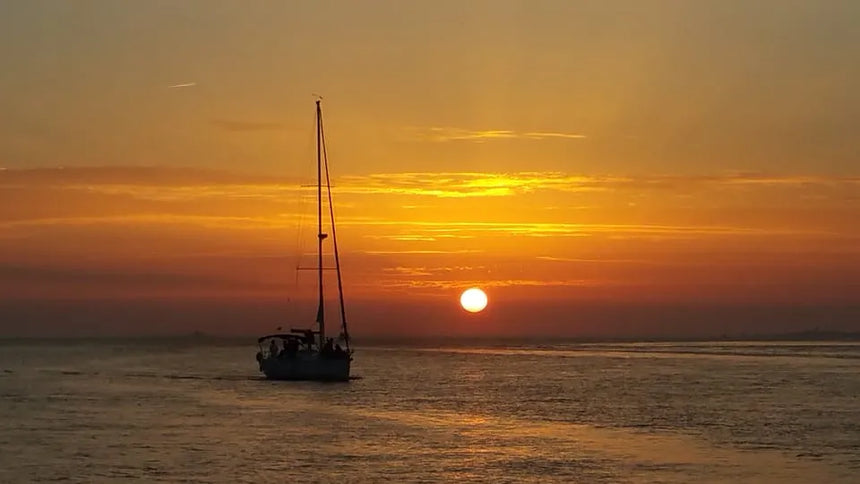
(320, 234)
(344, 329)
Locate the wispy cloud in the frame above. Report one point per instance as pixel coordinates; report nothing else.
(420, 252)
(183, 183)
(544, 135)
(477, 184)
(432, 230)
(422, 271)
(154, 195)
(444, 134)
(139, 220)
(155, 176)
(184, 84)
(407, 283)
(468, 184)
(419, 237)
(593, 261)
(549, 229)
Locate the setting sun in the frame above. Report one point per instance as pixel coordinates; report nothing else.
(473, 300)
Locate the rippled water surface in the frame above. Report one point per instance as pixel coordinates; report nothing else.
(184, 411)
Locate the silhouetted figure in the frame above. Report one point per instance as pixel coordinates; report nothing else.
(273, 349)
(339, 352)
(292, 346)
(309, 338)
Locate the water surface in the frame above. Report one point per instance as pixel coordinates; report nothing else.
(91, 411)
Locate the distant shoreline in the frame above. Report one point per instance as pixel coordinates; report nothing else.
(199, 337)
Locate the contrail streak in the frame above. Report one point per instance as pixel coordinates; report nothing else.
(187, 84)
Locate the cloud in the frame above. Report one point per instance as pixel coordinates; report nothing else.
(158, 183)
(422, 271)
(268, 191)
(418, 237)
(138, 220)
(185, 84)
(154, 195)
(420, 231)
(446, 134)
(405, 238)
(771, 179)
(455, 283)
(544, 135)
(419, 252)
(593, 261)
(552, 229)
(155, 176)
(476, 184)
(408, 271)
(467, 184)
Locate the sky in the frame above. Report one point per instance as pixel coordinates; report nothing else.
(600, 168)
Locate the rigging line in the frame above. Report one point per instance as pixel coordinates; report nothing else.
(303, 202)
(334, 240)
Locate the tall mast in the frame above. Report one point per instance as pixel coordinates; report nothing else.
(320, 234)
(344, 330)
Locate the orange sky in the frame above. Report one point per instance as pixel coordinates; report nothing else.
(599, 168)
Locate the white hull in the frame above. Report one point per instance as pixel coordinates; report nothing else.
(306, 366)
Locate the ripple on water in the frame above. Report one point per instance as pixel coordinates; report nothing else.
(595, 413)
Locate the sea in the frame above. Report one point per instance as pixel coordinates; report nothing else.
(198, 410)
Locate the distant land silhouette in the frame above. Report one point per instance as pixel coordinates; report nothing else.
(200, 337)
(806, 335)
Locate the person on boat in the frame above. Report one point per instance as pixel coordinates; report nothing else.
(338, 351)
(309, 338)
(329, 346)
(291, 346)
(273, 349)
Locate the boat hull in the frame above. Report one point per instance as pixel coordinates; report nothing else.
(309, 367)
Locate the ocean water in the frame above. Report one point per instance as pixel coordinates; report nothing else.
(195, 411)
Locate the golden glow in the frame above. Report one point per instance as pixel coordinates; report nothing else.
(473, 300)
(513, 149)
(118, 231)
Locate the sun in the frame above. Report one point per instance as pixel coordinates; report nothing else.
(473, 300)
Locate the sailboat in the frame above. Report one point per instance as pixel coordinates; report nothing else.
(308, 354)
